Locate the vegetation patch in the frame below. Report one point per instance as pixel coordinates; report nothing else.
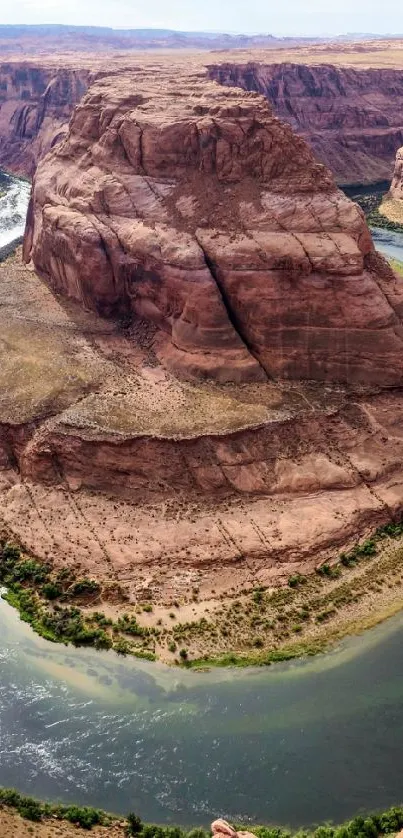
(378, 219)
(372, 826)
(49, 602)
(357, 589)
(376, 207)
(32, 810)
(308, 615)
(396, 266)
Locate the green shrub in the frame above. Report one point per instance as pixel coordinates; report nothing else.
(134, 824)
(83, 816)
(30, 809)
(296, 580)
(129, 625)
(29, 571)
(324, 832)
(368, 548)
(392, 820)
(198, 832)
(390, 530)
(323, 616)
(82, 588)
(11, 553)
(51, 590)
(122, 647)
(347, 560)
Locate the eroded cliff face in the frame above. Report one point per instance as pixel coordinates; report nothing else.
(352, 118)
(396, 189)
(35, 106)
(187, 204)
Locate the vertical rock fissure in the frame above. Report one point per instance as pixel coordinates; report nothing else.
(226, 303)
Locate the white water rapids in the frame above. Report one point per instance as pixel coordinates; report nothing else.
(14, 199)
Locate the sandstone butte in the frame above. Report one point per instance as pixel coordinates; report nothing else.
(188, 205)
(206, 389)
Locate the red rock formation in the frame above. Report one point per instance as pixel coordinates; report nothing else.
(35, 106)
(352, 118)
(188, 204)
(359, 445)
(396, 189)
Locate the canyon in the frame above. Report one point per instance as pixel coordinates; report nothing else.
(351, 118)
(36, 102)
(202, 335)
(345, 100)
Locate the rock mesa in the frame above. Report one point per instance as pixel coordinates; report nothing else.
(186, 204)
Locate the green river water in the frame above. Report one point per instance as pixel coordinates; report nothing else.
(292, 744)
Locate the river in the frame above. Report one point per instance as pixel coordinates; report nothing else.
(388, 243)
(14, 198)
(293, 744)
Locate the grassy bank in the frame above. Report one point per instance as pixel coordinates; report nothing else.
(357, 591)
(50, 603)
(33, 810)
(378, 209)
(378, 218)
(85, 818)
(353, 592)
(396, 266)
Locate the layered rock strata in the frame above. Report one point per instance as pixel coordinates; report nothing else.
(352, 118)
(36, 102)
(97, 443)
(112, 466)
(189, 205)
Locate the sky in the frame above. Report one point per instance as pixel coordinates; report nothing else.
(278, 17)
